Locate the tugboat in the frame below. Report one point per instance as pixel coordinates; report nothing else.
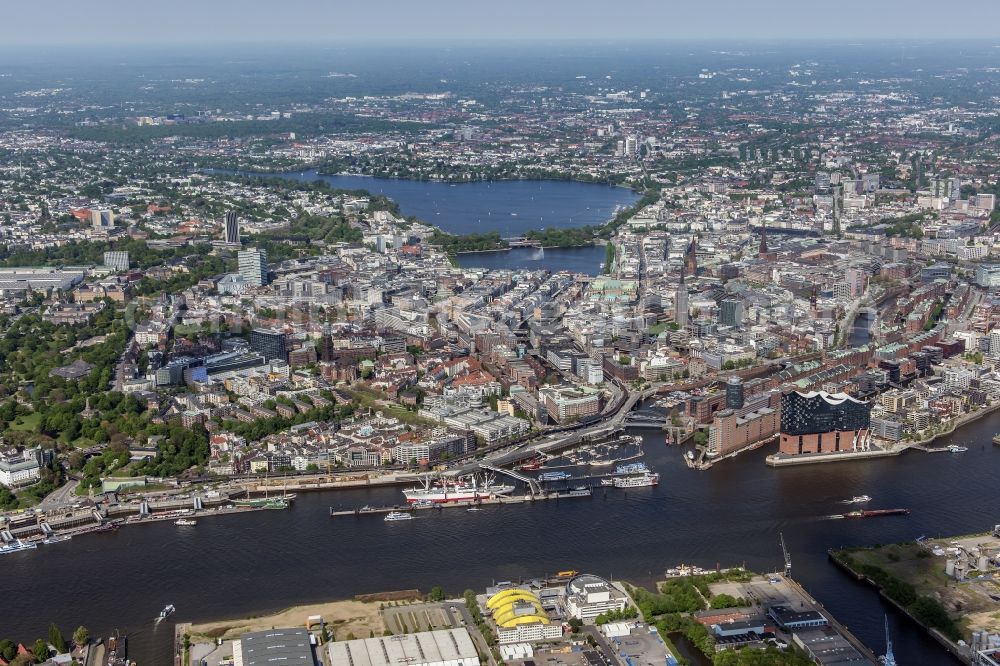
(167, 611)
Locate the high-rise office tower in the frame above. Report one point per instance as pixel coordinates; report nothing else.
(269, 344)
(734, 393)
(231, 230)
(102, 219)
(253, 266)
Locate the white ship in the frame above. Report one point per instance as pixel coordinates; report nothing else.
(17, 546)
(462, 490)
(397, 515)
(859, 499)
(637, 480)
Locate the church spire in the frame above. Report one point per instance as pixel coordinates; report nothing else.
(763, 239)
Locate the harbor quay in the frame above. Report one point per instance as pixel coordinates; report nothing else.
(566, 618)
(946, 585)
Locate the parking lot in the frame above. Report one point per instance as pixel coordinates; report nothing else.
(417, 617)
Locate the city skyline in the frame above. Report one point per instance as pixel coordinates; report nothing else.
(301, 20)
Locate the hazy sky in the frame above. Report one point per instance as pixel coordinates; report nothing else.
(102, 23)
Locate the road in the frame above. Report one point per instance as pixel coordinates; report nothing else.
(459, 611)
(603, 428)
(61, 497)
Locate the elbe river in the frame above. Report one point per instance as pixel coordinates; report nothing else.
(235, 566)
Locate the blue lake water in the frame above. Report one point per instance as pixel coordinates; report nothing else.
(511, 207)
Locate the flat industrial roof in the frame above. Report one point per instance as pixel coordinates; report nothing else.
(426, 647)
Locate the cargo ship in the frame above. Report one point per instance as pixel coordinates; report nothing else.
(464, 489)
(875, 513)
(636, 480)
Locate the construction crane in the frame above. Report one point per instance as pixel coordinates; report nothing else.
(788, 558)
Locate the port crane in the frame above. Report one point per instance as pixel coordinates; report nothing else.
(788, 557)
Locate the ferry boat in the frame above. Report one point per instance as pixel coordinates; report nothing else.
(607, 482)
(858, 499)
(955, 448)
(167, 611)
(553, 476)
(631, 468)
(17, 546)
(397, 515)
(636, 480)
(464, 489)
(580, 491)
(185, 522)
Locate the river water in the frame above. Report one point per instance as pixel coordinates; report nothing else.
(243, 565)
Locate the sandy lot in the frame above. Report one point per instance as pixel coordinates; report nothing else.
(342, 618)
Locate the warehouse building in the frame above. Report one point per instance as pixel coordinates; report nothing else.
(445, 647)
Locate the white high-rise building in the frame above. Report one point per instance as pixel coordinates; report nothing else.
(631, 145)
(253, 266)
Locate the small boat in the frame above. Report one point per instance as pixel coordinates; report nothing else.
(996, 438)
(57, 538)
(397, 515)
(473, 508)
(858, 499)
(553, 476)
(607, 482)
(185, 522)
(167, 611)
(690, 455)
(955, 448)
